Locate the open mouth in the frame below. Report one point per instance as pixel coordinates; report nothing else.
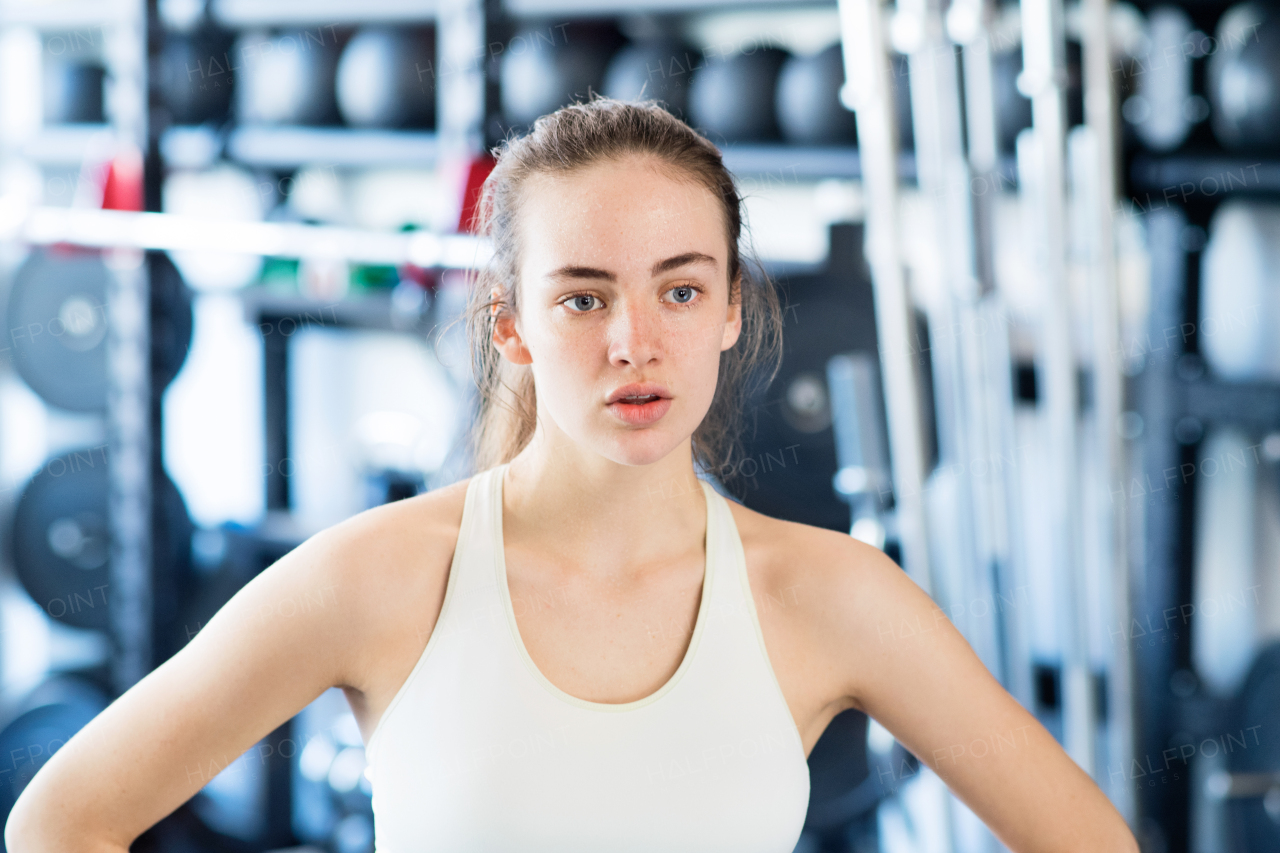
(641, 410)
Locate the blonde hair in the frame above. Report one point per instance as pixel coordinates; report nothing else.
(570, 139)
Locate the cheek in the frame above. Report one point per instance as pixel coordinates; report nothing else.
(563, 358)
(696, 343)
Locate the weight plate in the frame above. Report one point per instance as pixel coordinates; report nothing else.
(27, 743)
(1259, 717)
(58, 328)
(172, 320)
(61, 539)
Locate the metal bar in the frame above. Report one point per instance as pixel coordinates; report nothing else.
(1044, 80)
(867, 91)
(129, 471)
(1162, 506)
(1098, 207)
(165, 231)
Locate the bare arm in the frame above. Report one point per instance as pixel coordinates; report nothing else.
(905, 664)
(287, 636)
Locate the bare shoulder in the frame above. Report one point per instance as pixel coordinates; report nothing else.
(836, 597)
(394, 559)
(859, 633)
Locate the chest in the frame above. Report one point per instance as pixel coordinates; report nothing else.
(617, 642)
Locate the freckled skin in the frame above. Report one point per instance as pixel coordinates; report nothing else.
(622, 217)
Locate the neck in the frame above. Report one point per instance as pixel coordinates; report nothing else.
(601, 517)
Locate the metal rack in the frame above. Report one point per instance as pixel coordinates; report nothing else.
(1178, 399)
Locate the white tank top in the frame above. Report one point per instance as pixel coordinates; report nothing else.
(479, 751)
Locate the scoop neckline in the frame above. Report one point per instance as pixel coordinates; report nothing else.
(504, 591)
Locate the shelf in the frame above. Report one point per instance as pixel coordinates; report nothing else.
(291, 147)
(251, 13)
(789, 163)
(605, 8)
(794, 162)
(369, 310)
(1255, 405)
(1206, 176)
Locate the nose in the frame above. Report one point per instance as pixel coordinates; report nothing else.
(635, 333)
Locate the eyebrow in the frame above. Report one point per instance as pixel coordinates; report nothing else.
(657, 269)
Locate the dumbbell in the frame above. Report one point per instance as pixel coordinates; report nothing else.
(1239, 306)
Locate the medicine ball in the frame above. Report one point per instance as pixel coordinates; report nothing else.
(545, 67)
(386, 78)
(288, 79)
(733, 99)
(196, 79)
(658, 70)
(73, 93)
(1244, 79)
(808, 100)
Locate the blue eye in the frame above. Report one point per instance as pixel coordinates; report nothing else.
(687, 289)
(578, 300)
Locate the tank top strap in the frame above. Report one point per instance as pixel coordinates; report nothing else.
(724, 543)
(472, 594)
(734, 609)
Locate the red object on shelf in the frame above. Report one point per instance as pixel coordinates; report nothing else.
(122, 189)
(475, 171)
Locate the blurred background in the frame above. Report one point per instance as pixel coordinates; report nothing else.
(1030, 261)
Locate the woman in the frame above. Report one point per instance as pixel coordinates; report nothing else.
(584, 647)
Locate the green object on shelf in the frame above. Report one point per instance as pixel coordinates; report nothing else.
(374, 277)
(279, 274)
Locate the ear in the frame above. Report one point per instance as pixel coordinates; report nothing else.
(733, 318)
(506, 334)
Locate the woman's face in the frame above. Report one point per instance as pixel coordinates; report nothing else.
(623, 279)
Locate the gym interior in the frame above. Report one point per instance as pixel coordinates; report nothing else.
(1029, 258)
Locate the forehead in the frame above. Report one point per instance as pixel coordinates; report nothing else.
(619, 211)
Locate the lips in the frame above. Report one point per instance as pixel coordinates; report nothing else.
(639, 404)
(639, 392)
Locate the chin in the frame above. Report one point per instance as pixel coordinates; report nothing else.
(639, 447)
(638, 453)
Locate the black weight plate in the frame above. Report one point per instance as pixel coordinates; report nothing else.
(58, 328)
(27, 743)
(171, 320)
(1254, 747)
(61, 538)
